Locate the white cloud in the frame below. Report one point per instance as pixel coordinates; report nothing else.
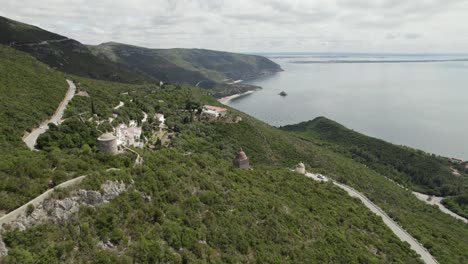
(256, 25)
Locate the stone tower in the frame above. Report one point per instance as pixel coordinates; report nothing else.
(241, 160)
(107, 143)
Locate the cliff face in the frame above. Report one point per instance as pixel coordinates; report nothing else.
(192, 66)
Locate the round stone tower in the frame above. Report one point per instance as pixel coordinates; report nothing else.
(300, 168)
(107, 143)
(241, 160)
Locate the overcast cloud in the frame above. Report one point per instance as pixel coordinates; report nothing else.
(256, 25)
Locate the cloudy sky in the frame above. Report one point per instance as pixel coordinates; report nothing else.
(437, 26)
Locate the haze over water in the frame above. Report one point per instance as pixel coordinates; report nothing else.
(419, 104)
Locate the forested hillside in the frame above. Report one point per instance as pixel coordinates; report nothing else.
(29, 91)
(421, 171)
(170, 228)
(62, 53)
(187, 203)
(212, 70)
(188, 65)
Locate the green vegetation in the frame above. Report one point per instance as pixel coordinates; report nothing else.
(204, 210)
(62, 53)
(30, 92)
(421, 171)
(458, 204)
(188, 203)
(209, 69)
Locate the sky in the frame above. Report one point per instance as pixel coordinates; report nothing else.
(377, 26)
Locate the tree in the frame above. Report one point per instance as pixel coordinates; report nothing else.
(29, 209)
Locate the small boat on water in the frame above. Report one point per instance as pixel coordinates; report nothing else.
(283, 93)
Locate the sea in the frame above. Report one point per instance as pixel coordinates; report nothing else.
(418, 100)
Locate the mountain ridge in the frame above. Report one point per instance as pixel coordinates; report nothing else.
(216, 71)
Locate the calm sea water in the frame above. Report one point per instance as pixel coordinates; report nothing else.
(419, 104)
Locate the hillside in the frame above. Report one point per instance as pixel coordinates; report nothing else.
(212, 70)
(207, 68)
(29, 92)
(200, 207)
(62, 53)
(187, 202)
(421, 171)
(231, 200)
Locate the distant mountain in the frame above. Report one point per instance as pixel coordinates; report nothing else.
(62, 53)
(205, 68)
(213, 70)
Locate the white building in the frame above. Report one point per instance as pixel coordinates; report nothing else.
(214, 110)
(160, 118)
(129, 135)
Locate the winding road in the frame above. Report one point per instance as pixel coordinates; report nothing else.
(435, 200)
(397, 229)
(31, 138)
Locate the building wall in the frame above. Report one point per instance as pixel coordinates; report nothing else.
(243, 164)
(109, 146)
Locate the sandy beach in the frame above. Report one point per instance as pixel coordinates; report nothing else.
(226, 99)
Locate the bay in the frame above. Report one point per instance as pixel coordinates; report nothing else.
(416, 100)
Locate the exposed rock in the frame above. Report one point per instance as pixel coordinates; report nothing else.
(58, 211)
(3, 249)
(91, 197)
(111, 189)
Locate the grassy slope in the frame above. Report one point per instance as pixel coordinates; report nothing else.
(69, 56)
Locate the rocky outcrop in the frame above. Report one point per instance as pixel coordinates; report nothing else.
(59, 211)
(3, 249)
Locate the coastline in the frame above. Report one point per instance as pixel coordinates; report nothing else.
(226, 99)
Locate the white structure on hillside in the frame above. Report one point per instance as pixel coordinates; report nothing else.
(159, 117)
(300, 168)
(214, 110)
(129, 135)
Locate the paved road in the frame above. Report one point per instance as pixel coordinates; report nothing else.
(397, 229)
(437, 201)
(139, 159)
(31, 138)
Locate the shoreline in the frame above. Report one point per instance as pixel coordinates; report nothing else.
(226, 99)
